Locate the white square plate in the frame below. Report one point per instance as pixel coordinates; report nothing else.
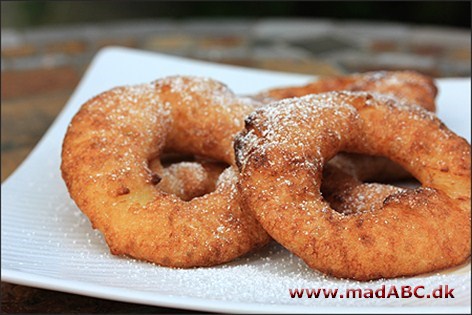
(48, 243)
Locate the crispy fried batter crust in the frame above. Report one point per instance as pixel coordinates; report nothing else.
(281, 155)
(105, 159)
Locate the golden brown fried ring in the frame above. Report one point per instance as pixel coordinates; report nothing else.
(408, 86)
(105, 166)
(281, 155)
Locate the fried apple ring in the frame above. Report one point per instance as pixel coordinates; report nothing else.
(105, 158)
(281, 155)
(408, 86)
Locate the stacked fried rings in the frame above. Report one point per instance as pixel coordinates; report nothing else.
(105, 159)
(187, 214)
(281, 155)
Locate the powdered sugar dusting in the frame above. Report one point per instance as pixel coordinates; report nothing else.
(277, 139)
(262, 277)
(121, 130)
(295, 123)
(205, 88)
(368, 197)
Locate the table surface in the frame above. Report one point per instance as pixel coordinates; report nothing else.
(41, 68)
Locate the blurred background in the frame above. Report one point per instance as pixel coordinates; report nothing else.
(27, 14)
(47, 45)
(310, 37)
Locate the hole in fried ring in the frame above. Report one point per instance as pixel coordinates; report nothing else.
(187, 177)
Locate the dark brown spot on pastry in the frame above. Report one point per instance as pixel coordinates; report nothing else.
(123, 191)
(155, 179)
